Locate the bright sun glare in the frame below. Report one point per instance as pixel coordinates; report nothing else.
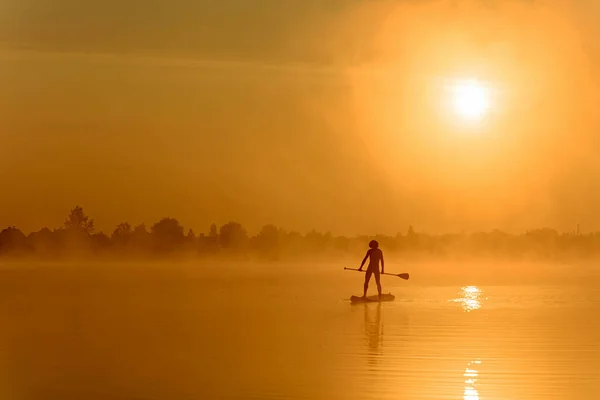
(470, 99)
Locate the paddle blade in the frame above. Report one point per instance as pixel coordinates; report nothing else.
(404, 276)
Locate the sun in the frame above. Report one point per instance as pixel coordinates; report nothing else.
(470, 99)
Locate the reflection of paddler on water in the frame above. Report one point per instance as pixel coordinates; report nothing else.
(373, 328)
(374, 254)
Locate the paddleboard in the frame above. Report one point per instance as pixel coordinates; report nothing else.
(372, 299)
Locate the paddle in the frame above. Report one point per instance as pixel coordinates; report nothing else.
(403, 276)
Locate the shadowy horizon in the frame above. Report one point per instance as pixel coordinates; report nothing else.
(78, 237)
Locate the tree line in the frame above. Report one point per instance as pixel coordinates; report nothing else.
(78, 237)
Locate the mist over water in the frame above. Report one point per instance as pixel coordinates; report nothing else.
(288, 331)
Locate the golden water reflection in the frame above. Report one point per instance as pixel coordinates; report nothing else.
(374, 334)
(471, 374)
(470, 298)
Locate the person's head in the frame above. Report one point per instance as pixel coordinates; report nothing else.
(373, 244)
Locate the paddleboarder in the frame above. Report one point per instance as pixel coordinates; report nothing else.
(374, 254)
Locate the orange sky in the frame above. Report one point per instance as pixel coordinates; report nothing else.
(299, 113)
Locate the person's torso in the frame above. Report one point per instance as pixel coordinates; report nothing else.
(375, 256)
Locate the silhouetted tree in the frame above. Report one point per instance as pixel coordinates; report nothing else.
(122, 235)
(232, 236)
(191, 241)
(412, 240)
(268, 237)
(292, 243)
(317, 242)
(140, 239)
(77, 220)
(190, 237)
(210, 244)
(267, 241)
(543, 241)
(167, 234)
(12, 241)
(43, 242)
(140, 230)
(123, 230)
(213, 231)
(100, 242)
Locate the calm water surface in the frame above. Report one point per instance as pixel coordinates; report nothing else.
(174, 334)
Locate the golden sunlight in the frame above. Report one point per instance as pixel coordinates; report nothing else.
(470, 99)
(471, 374)
(470, 298)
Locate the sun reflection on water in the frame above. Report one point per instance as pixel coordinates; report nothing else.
(470, 298)
(471, 374)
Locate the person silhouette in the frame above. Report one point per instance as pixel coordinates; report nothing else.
(374, 254)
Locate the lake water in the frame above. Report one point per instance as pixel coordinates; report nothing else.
(180, 333)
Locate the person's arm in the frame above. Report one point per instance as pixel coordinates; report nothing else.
(382, 264)
(364, 260)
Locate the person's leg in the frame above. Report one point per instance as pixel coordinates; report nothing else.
(367, 279)
(378, 282)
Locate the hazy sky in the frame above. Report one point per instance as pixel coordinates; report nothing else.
(327, 114)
